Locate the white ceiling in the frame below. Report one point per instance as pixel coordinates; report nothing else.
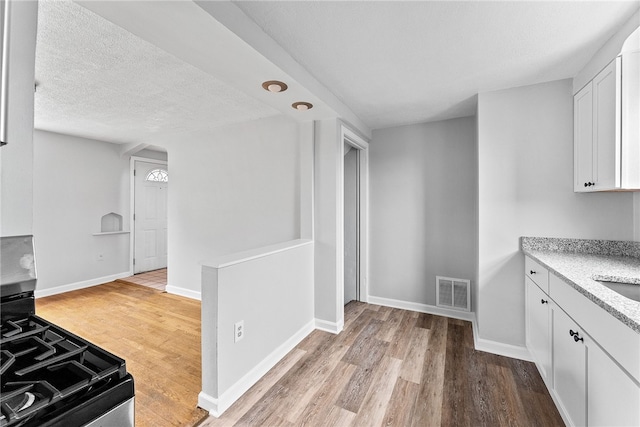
(396, 63)
(391, 63)
(96, 80)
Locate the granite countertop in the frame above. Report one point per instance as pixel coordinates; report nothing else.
(578, 262)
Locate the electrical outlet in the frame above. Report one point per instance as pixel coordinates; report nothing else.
(238, 331)
(100, 257)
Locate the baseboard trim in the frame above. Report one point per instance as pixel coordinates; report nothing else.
(41, 293)
(216, 407)
(422, 308)
(332, 327)
(208, 403)
(184, 292)
(501, 349)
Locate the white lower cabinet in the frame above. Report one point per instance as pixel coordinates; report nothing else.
(590, 387)
(613, 398)
(539, 328)
(569, 367)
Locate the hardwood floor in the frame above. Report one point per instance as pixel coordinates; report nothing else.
(158, 335)
(392, 367)
(389, 367)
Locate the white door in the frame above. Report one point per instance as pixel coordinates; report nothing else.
(150, 216)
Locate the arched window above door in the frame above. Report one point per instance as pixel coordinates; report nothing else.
(158, 175)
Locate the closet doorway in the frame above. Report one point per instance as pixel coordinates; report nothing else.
(355, 176)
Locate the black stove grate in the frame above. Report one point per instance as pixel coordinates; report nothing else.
(45, 367)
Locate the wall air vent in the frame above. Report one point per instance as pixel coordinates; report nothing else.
(453, 293)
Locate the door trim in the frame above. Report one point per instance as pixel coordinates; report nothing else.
(132, 202)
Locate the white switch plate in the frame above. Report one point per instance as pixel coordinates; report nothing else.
(238, 331)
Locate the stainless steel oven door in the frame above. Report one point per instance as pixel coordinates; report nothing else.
(121, 416)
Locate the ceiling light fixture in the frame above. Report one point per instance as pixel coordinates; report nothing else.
(274, 86)
(302, 106)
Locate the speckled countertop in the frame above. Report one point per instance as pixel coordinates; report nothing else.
(578, 262)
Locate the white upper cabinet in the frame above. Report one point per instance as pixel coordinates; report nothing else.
(583, 138)
(606, 128)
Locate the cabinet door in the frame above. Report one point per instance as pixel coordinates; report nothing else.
(613, 398)
(630, 119)
(538, 328)
(569, 367)
(583, 139)
(606, 127)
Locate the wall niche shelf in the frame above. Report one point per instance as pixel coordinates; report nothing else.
(110, 233)
(110, 223)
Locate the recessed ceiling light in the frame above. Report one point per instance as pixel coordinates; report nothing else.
(302, 106)
(274, 86)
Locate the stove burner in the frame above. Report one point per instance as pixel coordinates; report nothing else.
(49, 376)
(21, 402)
(45, 367)
(27, 400)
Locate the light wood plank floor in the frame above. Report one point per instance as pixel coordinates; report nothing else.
(393, 367)
(158, 335)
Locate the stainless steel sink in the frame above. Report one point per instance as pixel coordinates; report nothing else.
(628, 290)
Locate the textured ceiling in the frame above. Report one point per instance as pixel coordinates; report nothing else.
(391, 63)
(99, 81)
(396, 63)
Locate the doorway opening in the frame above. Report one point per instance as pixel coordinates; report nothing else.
(150, 185)
(351, 224)
(355, 174)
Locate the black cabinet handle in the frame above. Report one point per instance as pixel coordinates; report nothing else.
(589, 184)
(532, 272)
(575, 336)
(544, 301)
(586, 184)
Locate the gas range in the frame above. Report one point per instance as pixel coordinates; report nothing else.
(50, 376)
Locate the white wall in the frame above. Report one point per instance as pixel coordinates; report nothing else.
(234, 189)
(525, 184)
(609, 50)
(152, 154)
(269, 289)
(423, 208)
(328, 207)
(76, 182)
(16, 158)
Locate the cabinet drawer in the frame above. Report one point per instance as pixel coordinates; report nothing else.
(537, 273)
(620, 341)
